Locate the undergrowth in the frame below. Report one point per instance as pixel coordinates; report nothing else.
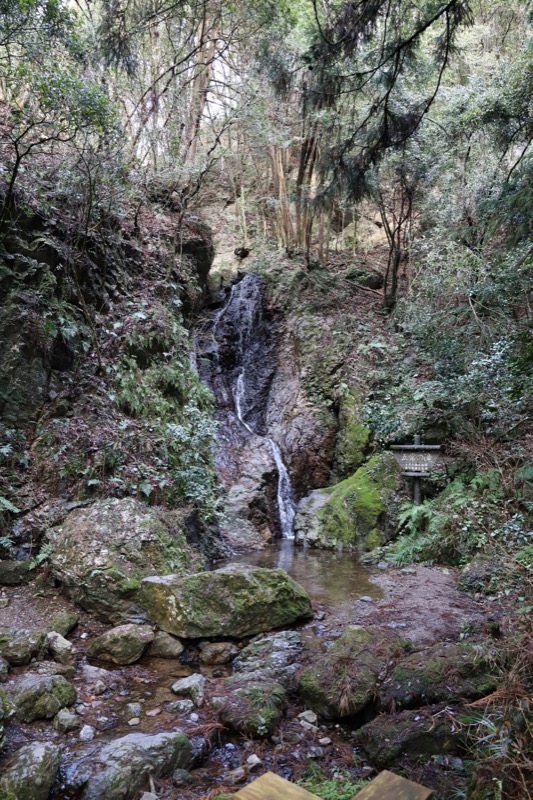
(341, 787)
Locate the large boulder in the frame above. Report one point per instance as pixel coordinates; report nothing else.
(102, 552)
(120, 769)
(19, 647)
(31, 772)
(388, 738)
(360, 511)
(41, 697)
(443, 672)
(237, 600)
(124, 644)
(344, 680)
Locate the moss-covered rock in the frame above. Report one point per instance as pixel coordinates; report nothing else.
(352, 438)
(360, 511)
(38, 697)
(276, 657)
(390, 737)
(481, 575)
(233, 601)
(102, 552)
(6, 712)
(19, 647)
(443, 672)
(124, 644)
(14, 572)
(344, 680)
(31, 772)
(251, 707)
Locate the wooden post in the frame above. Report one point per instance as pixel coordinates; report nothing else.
(417, 482)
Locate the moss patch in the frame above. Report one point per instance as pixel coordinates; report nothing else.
(352, 438)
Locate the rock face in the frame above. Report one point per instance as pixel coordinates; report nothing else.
(120, 769)
(444, 672)
(101, 553)
(38, 697)
(360, 511)
(124, 644)
(233, 601)
(31, 772)
(344, 680)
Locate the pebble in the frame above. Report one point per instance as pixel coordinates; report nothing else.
(325, 741)
(134, 710)
(181, 777)
(408, 571)
(366, 599)
(382, 565)
(87, 733)
(148, 796)
(307, 726)
(237, 775)
(308, 716)
(134, 721)
(99, 688)
(4, 602)
(253, 762)
(194, 717)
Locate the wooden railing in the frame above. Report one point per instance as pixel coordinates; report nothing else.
(387, 786)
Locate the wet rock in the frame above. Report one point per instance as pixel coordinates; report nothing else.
(276, 657)
(14, 572)
(165, 646)
(251, 707)
(31, 771)
(60, 648)
(19, 647)
(233, 601)
(66, 721)
(343, 681)
(63, 622)
(193, 687)
(124, 644)
(119, 769)
(361, 511)
(218, 652)
(101, 553)
(388, 738)
(443, 672)
(37, 697)
(6, 712)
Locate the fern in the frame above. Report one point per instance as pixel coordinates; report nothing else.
(5, 505)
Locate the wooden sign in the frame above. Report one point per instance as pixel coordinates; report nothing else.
(417, 462)
(387, 786)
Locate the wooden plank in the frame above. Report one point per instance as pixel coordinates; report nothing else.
(271, 787)
(388, 786)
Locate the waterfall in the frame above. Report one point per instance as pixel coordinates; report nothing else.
(240, 319)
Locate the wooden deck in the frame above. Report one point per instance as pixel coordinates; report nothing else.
(387, 786)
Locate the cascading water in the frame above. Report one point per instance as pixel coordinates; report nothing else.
(247, 376)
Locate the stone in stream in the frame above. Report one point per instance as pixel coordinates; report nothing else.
(119, 770)
(237, 600)
(165, 646)
(193, 687)
(37, 697)
(31, 771)
(344, 680)
(100, 554)
(124, 644)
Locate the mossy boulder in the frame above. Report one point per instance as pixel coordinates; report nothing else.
(481, 575)
(101, 553)
(237, 601)
(41, 697)
(352, 438)
(251, 707)
(360, 511)
(444, 672)
(6, 712)
(119, 770)
(124, 644)
(14, 572)
(344, 680)
(19, 647)
(390, 737)
(30, 773)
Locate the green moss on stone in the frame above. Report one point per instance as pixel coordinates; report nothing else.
(353, 436)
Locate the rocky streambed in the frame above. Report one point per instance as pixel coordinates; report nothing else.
(378, 677)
